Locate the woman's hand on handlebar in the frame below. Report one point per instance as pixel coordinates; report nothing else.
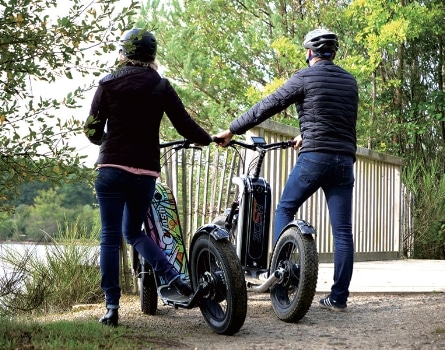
(298, 142)
(223, 138)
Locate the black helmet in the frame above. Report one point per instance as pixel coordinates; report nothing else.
(139, 45)
(321, 41)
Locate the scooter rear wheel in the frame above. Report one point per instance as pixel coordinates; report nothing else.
(148, 292)
(297, 254)
(215, 266)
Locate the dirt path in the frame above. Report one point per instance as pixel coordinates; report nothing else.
(385, 321)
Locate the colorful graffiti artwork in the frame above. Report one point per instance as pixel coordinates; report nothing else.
(165, 230)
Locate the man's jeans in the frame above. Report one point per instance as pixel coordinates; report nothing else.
(124, 199)
(334, 174)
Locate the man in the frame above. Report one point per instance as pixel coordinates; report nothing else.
(326, 97)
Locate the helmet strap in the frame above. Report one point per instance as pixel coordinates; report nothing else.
(327, 55)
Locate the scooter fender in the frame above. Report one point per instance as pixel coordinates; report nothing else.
(305, 227)
(213, 230)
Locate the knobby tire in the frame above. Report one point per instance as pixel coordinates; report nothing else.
(147, 289)
(224, 307)
(292, 297)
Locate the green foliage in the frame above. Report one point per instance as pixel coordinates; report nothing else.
(400, 52)
(43, 43)
(76, 193)
(224, 56)
(48, 209)
(427, 184)
(65, 274)
(28, 191)
(13, 227)
(73, 193)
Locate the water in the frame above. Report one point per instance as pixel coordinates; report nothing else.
(19, 251)
(35, 251)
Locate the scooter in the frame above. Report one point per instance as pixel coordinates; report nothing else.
(291, 276)
(213, 269)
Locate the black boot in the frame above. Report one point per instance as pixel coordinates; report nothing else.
(110, 318)
(181, 286)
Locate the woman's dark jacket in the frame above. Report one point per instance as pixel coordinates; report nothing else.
(326, 97)
(130, 104)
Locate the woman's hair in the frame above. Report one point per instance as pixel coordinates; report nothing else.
(125, 60)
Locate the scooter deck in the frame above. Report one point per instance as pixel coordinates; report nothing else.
(171, 295)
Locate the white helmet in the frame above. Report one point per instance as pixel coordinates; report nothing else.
(320, 41)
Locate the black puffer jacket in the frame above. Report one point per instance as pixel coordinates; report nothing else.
(131, 104)
(326, 97)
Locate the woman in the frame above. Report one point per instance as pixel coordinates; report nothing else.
(130, 103)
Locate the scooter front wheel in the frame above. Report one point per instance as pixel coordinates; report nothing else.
(296, 254)
(216, 268)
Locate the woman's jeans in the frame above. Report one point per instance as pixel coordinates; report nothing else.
(334, 174)
(124, 199)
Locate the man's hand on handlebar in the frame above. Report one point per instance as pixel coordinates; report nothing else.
(298, 142)
(223, 138)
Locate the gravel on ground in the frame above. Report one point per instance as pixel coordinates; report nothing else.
(372, 321)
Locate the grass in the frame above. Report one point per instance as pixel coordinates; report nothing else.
(67, 335)
(67, 274)
(439, 330)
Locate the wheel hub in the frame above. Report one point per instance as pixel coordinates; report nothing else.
(291, 274)
(214, 285)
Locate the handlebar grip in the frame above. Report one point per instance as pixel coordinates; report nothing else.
(217, 139)
(292, 143)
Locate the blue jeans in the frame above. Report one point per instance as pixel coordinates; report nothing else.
(334, 174)
(124, 199)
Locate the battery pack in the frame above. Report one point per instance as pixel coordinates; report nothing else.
(255, 204)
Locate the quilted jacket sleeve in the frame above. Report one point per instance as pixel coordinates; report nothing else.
(289, 93)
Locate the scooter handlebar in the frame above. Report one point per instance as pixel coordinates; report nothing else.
(179, 144)
(182, 143)
(258, 146)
